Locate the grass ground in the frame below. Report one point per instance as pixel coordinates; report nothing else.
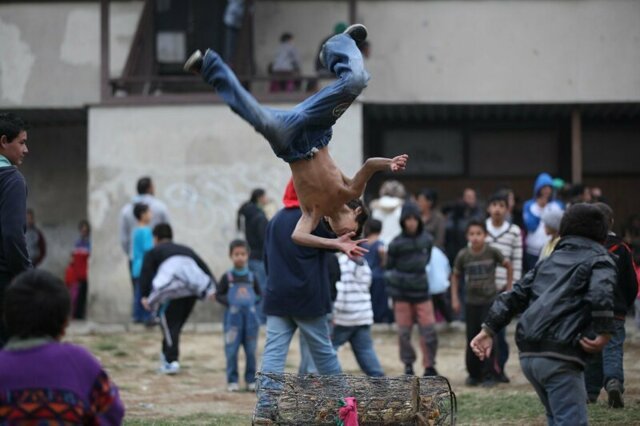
(198, 396)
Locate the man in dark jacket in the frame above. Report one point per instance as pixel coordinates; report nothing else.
(566, 303)
(407, 258)
(253, 222)
(605, 369)
(14, 257)
(298, 293)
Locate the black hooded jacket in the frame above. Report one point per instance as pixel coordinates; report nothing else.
(626, 288)
(565, 297)
(407, 259)
(13, 212)
(255, 226)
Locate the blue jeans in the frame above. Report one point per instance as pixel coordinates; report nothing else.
(257, 267)
(315, 331)
(297, 133)
(241, 327)
(560, 387)
(607, 364)
(362, 346)
(140, 314)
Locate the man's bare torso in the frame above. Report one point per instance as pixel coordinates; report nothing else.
(319, 184)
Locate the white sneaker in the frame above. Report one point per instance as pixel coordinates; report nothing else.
(251, 387)
(194, 63)
(169, 368)
(233, 387)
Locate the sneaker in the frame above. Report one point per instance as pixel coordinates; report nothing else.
(614, 391)
(357, 32)
(251, 387)
(233, 387)
(430, 372)
(169, 368)
(408, 370)
(489, 383)
(471, 381)
(194, 63)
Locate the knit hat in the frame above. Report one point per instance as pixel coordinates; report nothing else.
(552, 219)
(290, 198)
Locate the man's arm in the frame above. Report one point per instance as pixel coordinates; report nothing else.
(369, 168)
(507, 265)
(302, 235)
(13, 218)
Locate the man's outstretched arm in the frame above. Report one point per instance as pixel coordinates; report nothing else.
(370, 167)
(302, 235)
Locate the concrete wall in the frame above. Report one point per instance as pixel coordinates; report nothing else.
(51, 52)
(204, 160)
(477, 51)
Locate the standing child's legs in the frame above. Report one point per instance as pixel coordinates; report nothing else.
(250, 342)
(404, 313)
(233, 329)
(428, 337)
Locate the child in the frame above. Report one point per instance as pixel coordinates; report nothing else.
(551, 221)
(300, 137)
(44, 381)
(506, 237)
(407, 260)
(141, 242)
(375, 257)
(239, 291)
(566, 307)
(353, 315)
(606, 369)
(478, 263)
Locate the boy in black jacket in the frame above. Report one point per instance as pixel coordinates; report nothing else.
(605, 369)
(566, 303)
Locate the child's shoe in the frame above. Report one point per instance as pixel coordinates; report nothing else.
(408, 370)
(357, 32)
(471, 381)
(233, 387)
(169, 368)
(614, 392)
(194, 63)
(251, 387)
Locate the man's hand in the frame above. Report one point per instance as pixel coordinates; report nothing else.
(145, 303)
(350, 247)
(481, 345)
(594, 345)
(399, 163)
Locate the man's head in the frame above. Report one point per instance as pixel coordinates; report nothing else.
(37, 304)
(410, 219)
(239, 253)
(142, 213)
(498, 207)
(13, 138)
(392, 188)
(259, 197)
(350, 218)
(145, 186)
(469, 197)
(162, 232)
(584, 220)
(476, 233)
(544, 193)
(427, 199)
(286, 37)
(31, 218)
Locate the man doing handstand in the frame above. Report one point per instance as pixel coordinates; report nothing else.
(299, 136)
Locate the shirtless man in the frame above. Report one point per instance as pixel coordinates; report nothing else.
(300, 136)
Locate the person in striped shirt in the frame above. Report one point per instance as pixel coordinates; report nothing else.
(506, 237)
(353, 313)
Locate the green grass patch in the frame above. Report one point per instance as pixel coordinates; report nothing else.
(499, 407)
(194, 419)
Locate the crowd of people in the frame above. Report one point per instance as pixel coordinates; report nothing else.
(307, 269)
